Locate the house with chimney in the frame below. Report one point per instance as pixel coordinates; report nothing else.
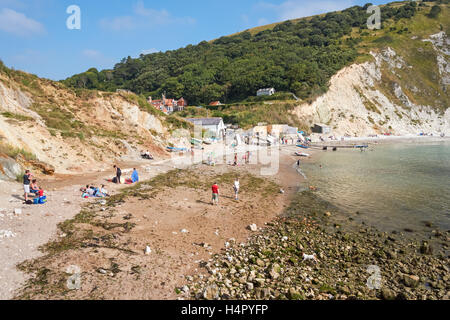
(168, 106)
(215, 103)
(265, 92)
(215, 126)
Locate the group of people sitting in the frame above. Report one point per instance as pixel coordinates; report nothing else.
(146, 155)
(31, 186)
(92, 192)
(119, 180)
(35, 189)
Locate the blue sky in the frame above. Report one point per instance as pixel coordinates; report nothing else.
(34, 36)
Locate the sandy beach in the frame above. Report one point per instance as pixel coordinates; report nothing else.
(35, 226)
(162, 239)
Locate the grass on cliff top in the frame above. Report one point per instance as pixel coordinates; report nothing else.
(14, 152)
(406, 38)
(26, 81)
(15, 116)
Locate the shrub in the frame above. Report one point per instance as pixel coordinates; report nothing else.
(16, 116)
(14, 152)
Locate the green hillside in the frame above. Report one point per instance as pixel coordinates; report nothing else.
(297, 56)
(408, 37)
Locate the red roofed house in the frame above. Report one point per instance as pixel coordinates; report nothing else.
(215, 103)
(180, 104)
(168, 105)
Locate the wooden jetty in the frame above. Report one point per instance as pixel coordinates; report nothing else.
(336, 147)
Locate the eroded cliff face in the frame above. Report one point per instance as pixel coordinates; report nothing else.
(72, 133)
(383, 96)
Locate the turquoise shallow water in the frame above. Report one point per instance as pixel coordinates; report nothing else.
(393, 186)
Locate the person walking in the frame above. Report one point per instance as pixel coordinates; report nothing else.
(118, 174)
(236, 188)
(26, 184)
(215, 194)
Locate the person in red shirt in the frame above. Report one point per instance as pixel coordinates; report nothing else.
(215, 194)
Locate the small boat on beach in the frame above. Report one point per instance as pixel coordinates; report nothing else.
(302, 146)
(172, 149)
(196, 141)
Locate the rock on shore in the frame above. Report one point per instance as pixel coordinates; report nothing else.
(358, 264)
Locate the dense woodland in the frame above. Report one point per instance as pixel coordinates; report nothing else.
(295, 56)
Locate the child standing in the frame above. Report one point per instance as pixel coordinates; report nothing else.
(215, 194)
(236, 187)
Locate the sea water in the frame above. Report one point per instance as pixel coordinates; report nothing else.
(391, 187)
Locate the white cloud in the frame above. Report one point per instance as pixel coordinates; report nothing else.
(245, 19)
(97, 57)
(143, 18)
(293, 9)
(12, 4)
(149, 51)
(28, 56)
(118, 23)
(93, 54)
(19, 24)
(262, 22)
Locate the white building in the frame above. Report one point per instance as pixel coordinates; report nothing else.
(266, 92)
(214, 125)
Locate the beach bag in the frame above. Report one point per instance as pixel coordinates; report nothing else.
(36, 201)
(42, 199)
(122, 180)
(29, 202)
(114, 180)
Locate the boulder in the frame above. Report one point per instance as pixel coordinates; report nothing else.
(211, 293)
(45, 168)
(260, 263)
(275, 271)
(388, 294)
(262, 293)
(411, 281)
(9, 168)
(425, 248)
(294, 294)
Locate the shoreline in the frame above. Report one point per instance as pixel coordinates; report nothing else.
(422, 229)
(141, 219)
(385, 139)
(272, 265)
(292, 188)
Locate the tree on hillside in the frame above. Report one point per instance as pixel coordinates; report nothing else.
(296, 56)
(434, 12)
